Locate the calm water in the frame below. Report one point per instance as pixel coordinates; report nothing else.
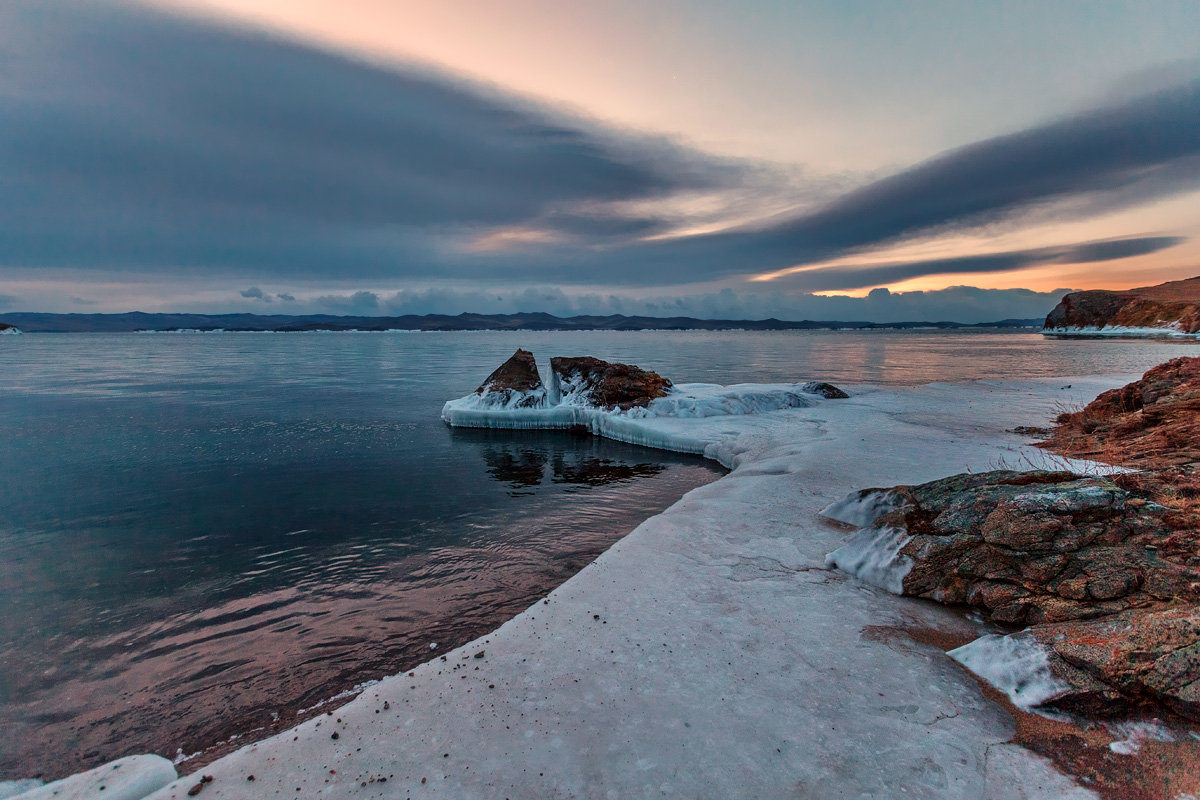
(201, 534)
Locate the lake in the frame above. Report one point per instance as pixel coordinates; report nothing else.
(204, 535)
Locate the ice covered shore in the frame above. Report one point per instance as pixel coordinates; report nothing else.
(711, 652)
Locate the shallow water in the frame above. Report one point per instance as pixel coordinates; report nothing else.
(200, 534)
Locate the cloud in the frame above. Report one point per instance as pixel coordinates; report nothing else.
(7, 301)
(357, 303)
(255, 293)
(287, 298)
(858, 277)
(957, 304)
(1140, 149)
(135, 139)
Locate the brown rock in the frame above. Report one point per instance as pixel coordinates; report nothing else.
(519, 374)
(1174, 303)
(606, 384)
(826, 390)
(1040, 546)
(1135, 656)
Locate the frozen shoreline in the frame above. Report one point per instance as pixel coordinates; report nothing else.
(711, 652)
(1120, 332)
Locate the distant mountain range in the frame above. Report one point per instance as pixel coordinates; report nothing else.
(138, 321)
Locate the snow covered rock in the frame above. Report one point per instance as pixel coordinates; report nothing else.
(514, 384)
(129, 778)
(10, 330)
(826, 390)
(603, 384)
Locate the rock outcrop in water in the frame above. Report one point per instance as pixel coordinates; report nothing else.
(8, 329)
(605, 384)
(1172, 307)
(515, 383)
(1105, 571)
(518, 374)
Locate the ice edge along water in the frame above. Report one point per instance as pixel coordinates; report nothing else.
(539, 409)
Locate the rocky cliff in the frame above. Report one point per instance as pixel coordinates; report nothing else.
(1172, 307)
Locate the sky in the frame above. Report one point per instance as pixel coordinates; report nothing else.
(802, 160)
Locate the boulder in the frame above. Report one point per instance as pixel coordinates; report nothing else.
(1107, 584)
(1132, 658)
(515, 383)
(826, 390)
(604, 384)
(1033, 547)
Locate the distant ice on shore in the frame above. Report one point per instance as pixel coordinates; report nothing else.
(1172, 331)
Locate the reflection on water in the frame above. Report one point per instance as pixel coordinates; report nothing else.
(205, 557)
(525, 459)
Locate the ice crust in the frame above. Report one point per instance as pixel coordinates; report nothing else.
(710, 653)
(570, 408)
(13, 788)
(130, 778)
(863, 507)
(873, 554)
(1016, 664)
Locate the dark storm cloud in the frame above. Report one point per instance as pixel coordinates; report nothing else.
(1143, 149)
(136, 140)
(858, 277)
(133, 138)
(254, 293)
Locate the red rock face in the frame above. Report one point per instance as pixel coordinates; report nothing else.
(1174, 303)
(1038, 547)
(1152, 423)
(1143, 655)
(606, 384)
(519, 373)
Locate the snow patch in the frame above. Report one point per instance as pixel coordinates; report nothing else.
(1017, 665)
(863, 507)
(873, 555)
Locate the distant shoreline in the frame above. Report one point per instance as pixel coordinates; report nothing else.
(135, 322)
